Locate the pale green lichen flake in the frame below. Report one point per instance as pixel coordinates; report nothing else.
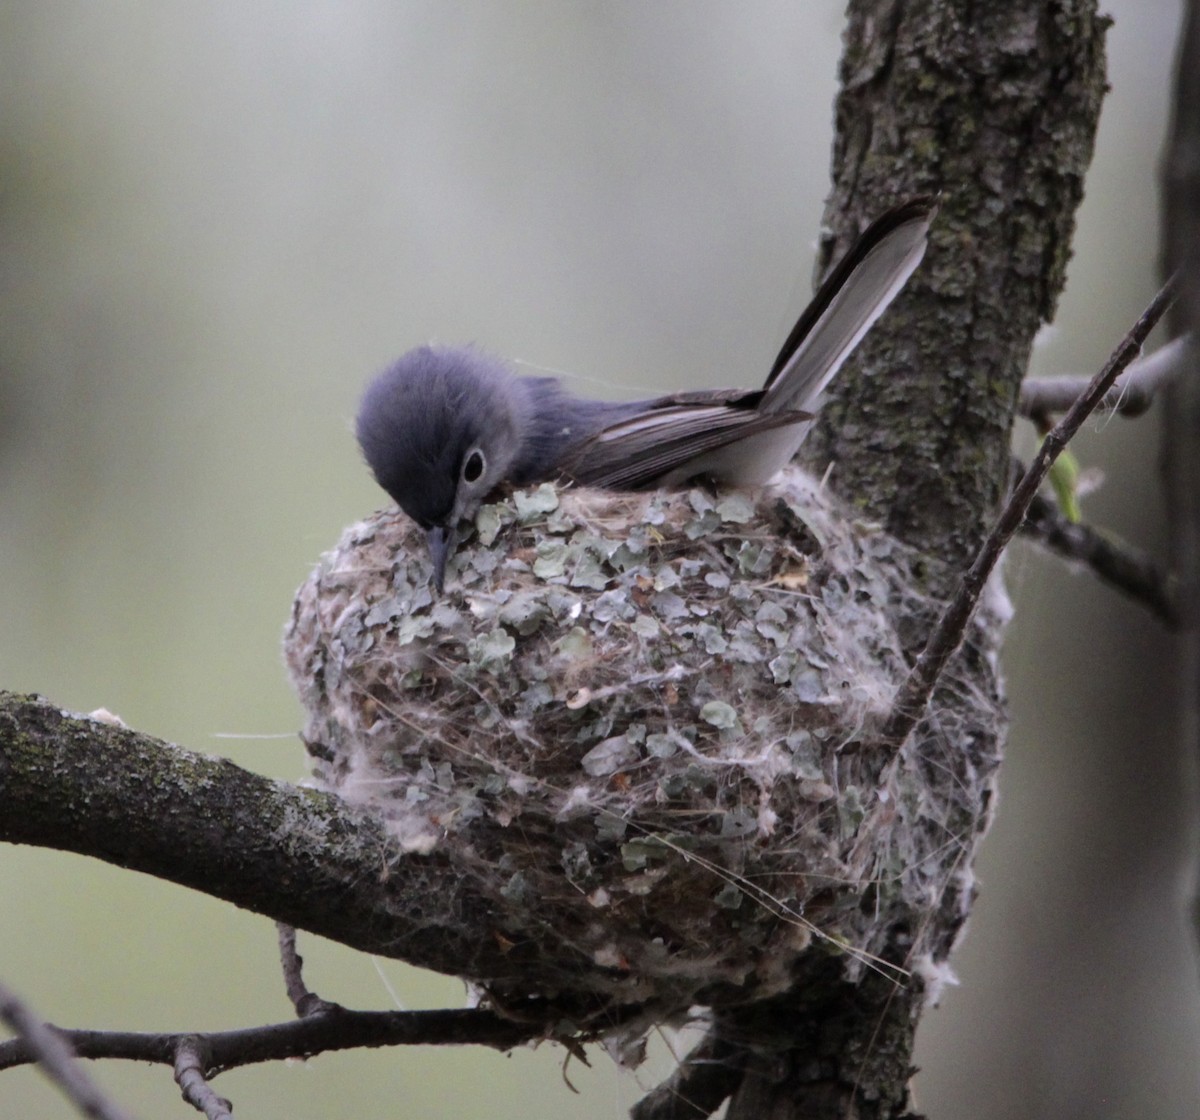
(533, 504)
(719, 714)
(493, 649)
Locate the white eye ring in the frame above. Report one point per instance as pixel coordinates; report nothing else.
(474, 465)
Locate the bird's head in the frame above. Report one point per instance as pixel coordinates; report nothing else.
(440, 429)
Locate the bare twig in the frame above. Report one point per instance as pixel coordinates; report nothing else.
(1117, 564)
(46, 1047)
(189, 1076)
(303, 1000)
(1132, 394)
(914, 694)
(332, 1029)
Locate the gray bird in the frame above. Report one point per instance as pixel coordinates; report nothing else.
(445, 427)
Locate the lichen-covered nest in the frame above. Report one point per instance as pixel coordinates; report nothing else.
(641, 726)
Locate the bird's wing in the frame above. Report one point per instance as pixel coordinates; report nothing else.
(641, 450)
(672, 439)
(854, 294)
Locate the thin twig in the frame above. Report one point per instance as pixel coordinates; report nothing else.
(914, 694)
(1133, 393)
(303, 1000)
(46, 1047)
(1131, 572)
(333, 1029)
(193, 1084)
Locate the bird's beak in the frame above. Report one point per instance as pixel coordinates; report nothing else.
(438, 539)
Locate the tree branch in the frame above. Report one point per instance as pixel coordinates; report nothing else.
(191, 1059)
(332, 1029)
(295, 855)
(1131, 396)
(305, 1001)
(1131, 572)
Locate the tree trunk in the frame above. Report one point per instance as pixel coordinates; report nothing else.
(996, 108)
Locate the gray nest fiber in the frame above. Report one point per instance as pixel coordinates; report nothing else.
(639, 727)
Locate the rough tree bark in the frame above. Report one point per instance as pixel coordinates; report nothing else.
(996, 107)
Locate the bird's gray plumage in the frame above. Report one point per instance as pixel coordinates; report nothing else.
(444, 427)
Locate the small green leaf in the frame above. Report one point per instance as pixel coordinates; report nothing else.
(1064, 478)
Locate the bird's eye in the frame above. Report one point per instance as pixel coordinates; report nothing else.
(472, 469)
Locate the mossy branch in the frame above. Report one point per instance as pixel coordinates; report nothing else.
(296, 855)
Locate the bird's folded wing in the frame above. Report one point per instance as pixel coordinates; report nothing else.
(638, 452)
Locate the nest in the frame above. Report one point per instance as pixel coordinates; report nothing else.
(641, 727)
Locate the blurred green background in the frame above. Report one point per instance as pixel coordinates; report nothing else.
(217, 220)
